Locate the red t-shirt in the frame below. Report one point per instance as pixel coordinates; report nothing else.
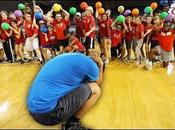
(42, 39)
(3, 34)
(139, 29)
(88, 23)
(79, 27)
(166, 40)
(55, 22)
(116, 37)
(29, 30)
(148, 27)
(18, 40)
(52, 37)
(60, 28)
(77, 42)
(104, 29)
(155, 32)
(110, 21)
(129, 34)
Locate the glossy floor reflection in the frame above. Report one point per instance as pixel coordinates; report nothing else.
(132, 98)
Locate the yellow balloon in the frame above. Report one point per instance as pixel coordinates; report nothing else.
(57, 7)
(121, 9)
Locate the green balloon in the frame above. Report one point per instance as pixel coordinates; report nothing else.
(21, 6)
(73, 10)
(163, 15)
(120, 18)
(5, 26)
(148, 10)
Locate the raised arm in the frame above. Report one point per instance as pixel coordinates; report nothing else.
(67, 15)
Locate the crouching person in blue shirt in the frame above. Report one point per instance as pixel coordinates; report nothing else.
(65, 89)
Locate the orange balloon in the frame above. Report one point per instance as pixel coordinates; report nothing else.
(154, 5)
(135, 12)
(98, 5)
(101, 11)
(83, 5)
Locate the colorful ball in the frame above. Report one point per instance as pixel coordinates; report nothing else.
(101, 11)
(21, 6)
(154, 5)
(5, 26)
(98, 5)
(163, 15)
(121, 9)
(57, 7)
(18, 13)
(148, 10)
(120, 18)
(127, 12)
(44, 29)
(169, 18)
(73, 10)
(83, 5)
(135, 12)
(38, 15)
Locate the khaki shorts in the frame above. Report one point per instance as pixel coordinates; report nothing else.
(166, 56)
(31, 45)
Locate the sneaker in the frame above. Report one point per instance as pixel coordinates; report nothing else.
(170, 69)
(148, 66)
(22, 62)
(107, 61)
(73, 126)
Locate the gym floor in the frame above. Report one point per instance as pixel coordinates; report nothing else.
(131, 98)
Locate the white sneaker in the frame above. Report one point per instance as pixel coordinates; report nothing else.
(170, 68)
(148, 66)
(107, 61)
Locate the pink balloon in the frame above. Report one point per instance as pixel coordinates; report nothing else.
(18, 13)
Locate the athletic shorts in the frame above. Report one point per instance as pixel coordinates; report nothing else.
(32, 45)
(66, 107)
(46, 46)
(63, 43)
(154, 43)
(89, 43)
(128, 44)
(1, 46)
(166, 56)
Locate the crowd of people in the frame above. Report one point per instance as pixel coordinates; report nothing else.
(150, 37)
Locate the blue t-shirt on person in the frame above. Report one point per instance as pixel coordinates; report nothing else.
(58, 77)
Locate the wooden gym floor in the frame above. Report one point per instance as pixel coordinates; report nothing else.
(132, 98)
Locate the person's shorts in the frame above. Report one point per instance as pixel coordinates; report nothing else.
(154, 43)
(1, 46)
(32, 45)
(137, 42)
(63, 43)
(89, 43)
(166, 56)
(46, 46)
(128, 44)
(66, 107)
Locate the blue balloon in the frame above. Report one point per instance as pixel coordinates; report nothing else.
(38, 15)
(44, 29)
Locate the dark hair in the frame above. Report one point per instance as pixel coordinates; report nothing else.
(105, 14)
(15, 21)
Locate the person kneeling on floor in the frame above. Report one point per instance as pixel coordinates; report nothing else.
(65, 89)
(165, 49)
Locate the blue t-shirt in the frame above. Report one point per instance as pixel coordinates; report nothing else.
(58, 77)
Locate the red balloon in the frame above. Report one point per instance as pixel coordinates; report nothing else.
(83, 5)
